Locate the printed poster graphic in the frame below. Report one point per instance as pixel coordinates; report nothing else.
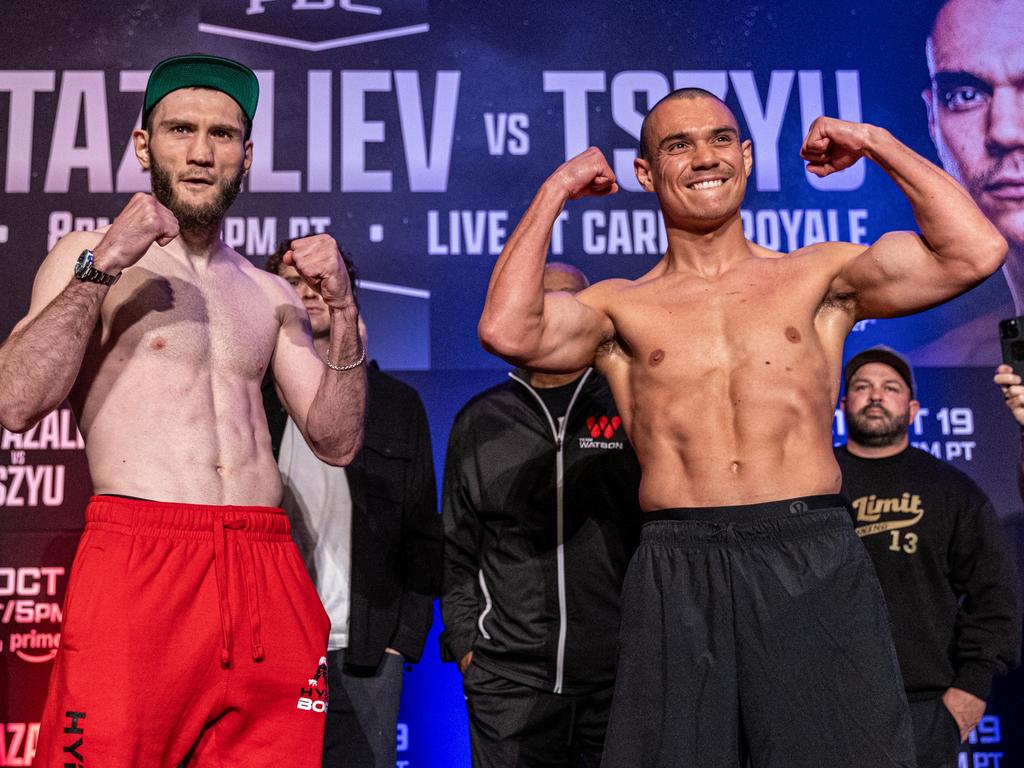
(416, 133)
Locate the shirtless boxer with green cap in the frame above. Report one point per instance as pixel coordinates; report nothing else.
(192, 633)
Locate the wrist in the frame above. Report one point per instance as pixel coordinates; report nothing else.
(86, 271)
(975, 678)
(345, 310)
(106, 259)
(875, 140)
(554, 192)
(352, 354)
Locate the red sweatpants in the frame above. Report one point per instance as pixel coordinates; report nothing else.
(191, 633)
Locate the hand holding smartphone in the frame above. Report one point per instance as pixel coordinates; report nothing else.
(1011, 336)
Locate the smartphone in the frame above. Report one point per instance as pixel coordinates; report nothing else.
(1011, 336)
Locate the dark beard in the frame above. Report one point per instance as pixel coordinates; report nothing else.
(874, 433)
(194, 218)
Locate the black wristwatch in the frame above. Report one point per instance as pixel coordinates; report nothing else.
(84, 270)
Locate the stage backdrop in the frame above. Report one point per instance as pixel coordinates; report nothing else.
(416, 134)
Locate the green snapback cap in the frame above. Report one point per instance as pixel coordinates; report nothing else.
(198, 70)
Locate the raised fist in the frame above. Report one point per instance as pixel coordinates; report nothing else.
(318, 262)
(141, 223)
(587, 174)
(833, 145)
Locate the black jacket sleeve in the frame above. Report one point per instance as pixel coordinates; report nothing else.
(461, 598)
(988, 628)
(421, 543)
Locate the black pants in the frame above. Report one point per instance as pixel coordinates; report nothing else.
(936, 734)
(756, 632)
(362, 714)
(513, 725)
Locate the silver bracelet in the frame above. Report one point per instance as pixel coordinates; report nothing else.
(350, 366)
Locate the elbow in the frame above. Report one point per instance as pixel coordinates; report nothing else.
(15, 419)
(336, 458)
(341, 454)
(983, 256)
(490, 334)
(994, 251)
(19, 411)
(503, 339)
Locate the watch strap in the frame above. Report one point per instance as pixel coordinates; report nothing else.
(85, 271)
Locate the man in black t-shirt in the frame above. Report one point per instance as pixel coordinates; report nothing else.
(939, 554)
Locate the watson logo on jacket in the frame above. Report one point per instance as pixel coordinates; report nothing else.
(602, 427)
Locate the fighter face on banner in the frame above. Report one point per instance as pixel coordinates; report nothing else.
(976, 120)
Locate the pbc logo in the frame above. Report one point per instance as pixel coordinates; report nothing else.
(603, 427)
(314, 25)
(315, 697)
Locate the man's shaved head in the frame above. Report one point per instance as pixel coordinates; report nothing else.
(559, 276)
(647, 151)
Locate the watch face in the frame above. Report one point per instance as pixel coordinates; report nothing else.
(83, 263)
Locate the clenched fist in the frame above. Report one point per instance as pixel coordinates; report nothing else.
(587, 174)
(318, 262)
(141, 223)
(833, 145)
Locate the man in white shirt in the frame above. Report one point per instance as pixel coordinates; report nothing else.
(370, 536)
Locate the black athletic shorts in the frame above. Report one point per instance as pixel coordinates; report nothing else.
(756, 632)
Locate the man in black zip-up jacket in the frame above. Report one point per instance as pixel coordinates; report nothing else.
(541, 517)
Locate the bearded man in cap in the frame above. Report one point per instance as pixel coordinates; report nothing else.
(939, 554)
(192, 632)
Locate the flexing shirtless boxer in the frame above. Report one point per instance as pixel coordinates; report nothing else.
(752, 620)
(190, 625)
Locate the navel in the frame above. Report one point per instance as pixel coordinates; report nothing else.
(735, 467)
(656, 357)
(158, 343)
(793, 335)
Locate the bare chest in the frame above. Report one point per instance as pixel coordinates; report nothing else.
(692, 326)
(226, 326)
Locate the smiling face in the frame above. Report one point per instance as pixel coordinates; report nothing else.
(976, 105)
(196, 155)
(697, 165)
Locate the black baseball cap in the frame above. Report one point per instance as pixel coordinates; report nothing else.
(199, 70)
(880, 354)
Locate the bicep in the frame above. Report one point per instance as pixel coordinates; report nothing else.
(55, 273)
(297, 369)
(898, 275)
(572, 332)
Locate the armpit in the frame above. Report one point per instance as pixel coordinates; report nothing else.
(844, 301)
(610, 346)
